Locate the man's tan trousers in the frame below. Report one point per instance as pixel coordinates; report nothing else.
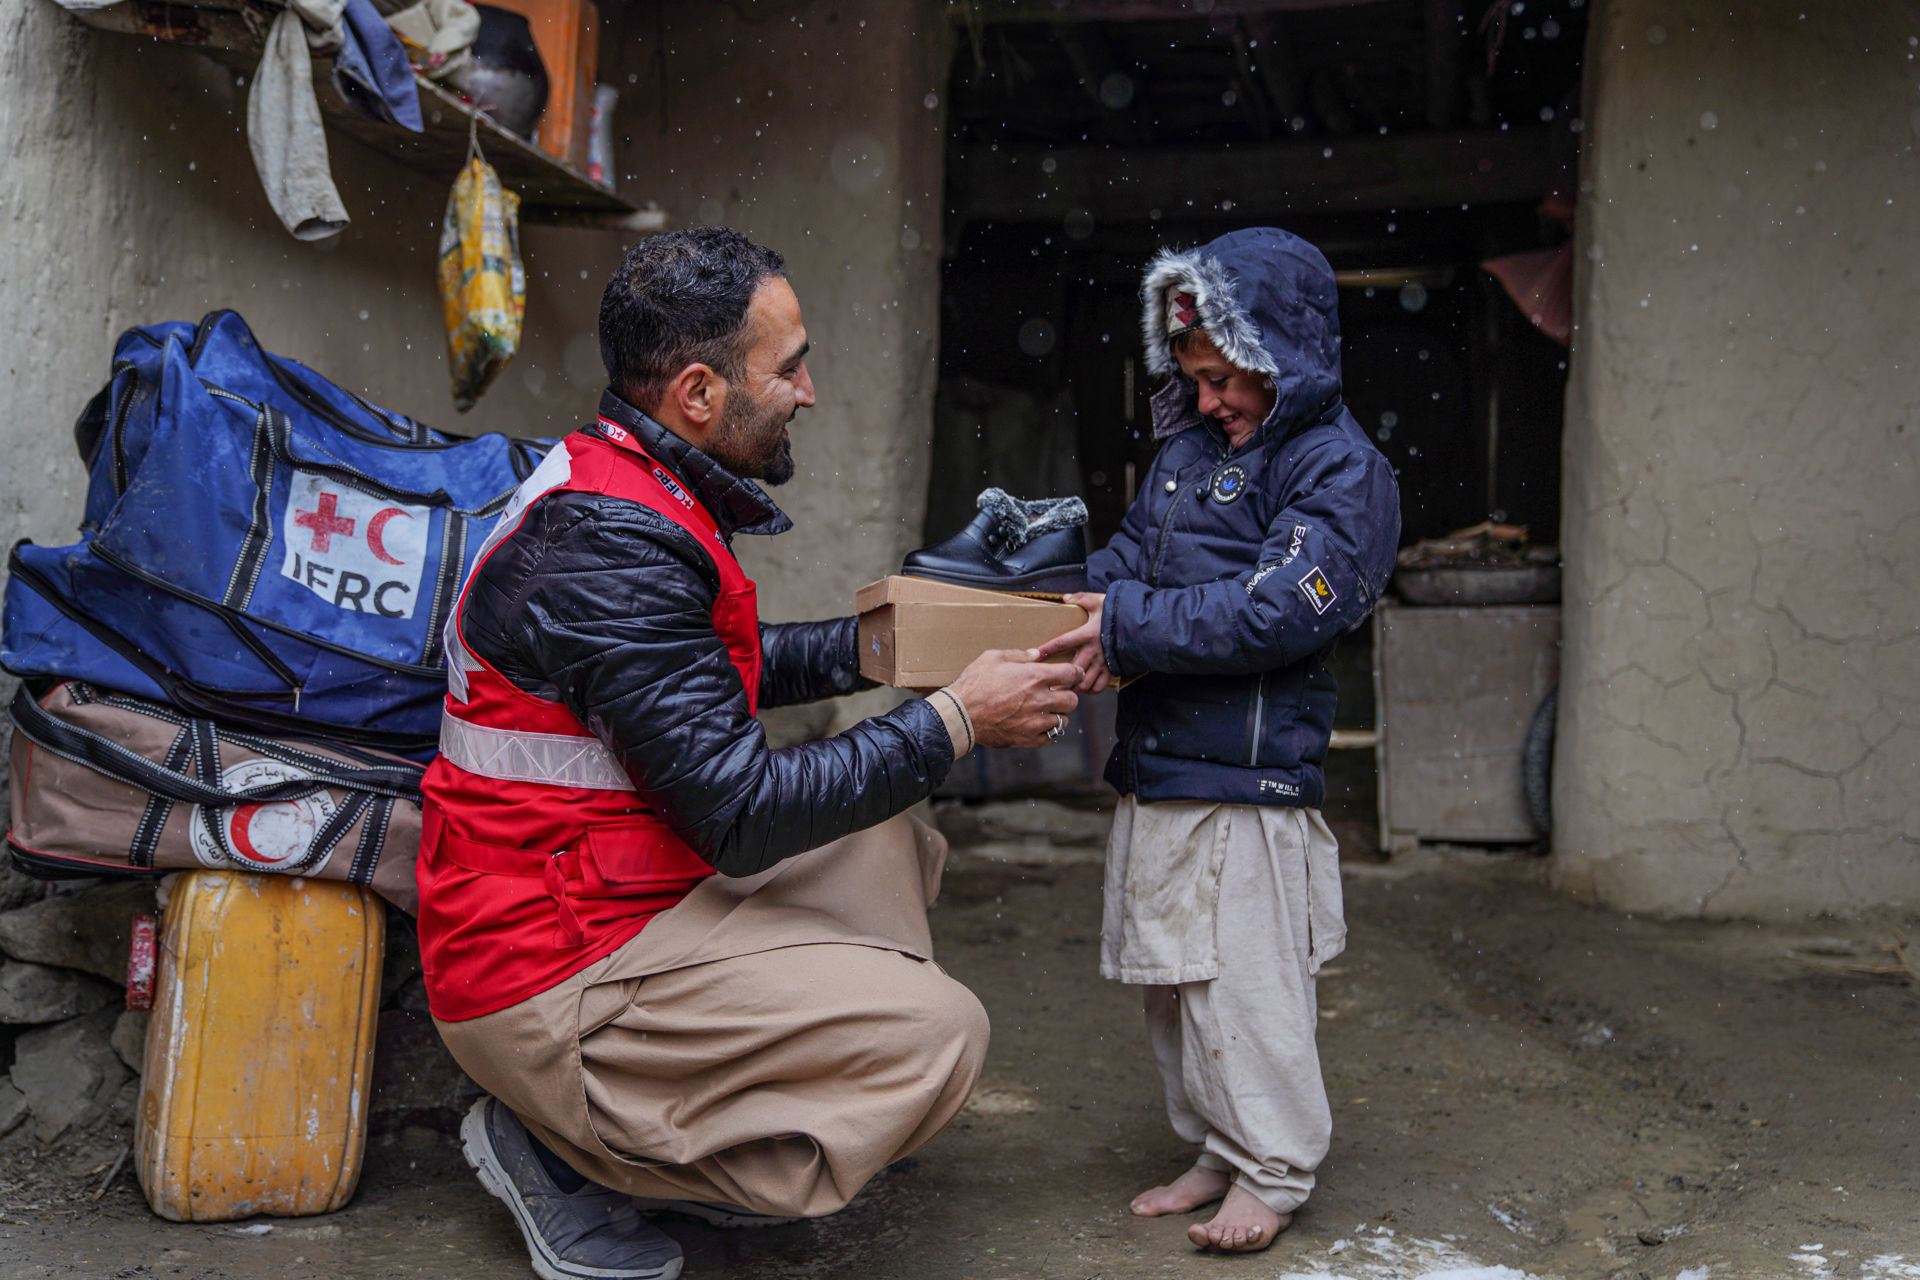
(771, 1042)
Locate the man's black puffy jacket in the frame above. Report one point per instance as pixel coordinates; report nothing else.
(605, 606)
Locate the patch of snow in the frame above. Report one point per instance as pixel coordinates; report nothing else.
(1694, 1273)
(1889, 1266)
(1381, 1256)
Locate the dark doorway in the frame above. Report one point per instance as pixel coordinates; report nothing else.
(1411, 140)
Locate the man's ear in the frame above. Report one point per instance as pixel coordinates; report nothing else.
(698, 394)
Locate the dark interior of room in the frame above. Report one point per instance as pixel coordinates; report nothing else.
(1411, 140)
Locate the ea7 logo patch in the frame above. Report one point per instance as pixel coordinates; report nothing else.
(1319, 590)
(353, 550)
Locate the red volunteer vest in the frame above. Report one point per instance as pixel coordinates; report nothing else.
(537, 857)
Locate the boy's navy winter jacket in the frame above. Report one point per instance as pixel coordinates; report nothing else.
(1235, 570)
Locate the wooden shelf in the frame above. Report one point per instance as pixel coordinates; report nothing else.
(551, 191)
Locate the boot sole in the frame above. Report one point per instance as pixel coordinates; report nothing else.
(477, 1147)
(1052, 582)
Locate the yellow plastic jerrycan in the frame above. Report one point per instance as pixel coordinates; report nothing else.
(260, 1049)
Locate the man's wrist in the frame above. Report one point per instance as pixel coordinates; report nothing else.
(953, 714)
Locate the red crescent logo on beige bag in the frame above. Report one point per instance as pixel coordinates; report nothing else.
(259, 837)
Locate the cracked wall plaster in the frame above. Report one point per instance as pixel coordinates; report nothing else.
(1740, 700)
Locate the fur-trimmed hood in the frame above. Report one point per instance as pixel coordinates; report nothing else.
(1268, 300)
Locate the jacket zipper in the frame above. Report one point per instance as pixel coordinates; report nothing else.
(1166, 525)
(1259, 718)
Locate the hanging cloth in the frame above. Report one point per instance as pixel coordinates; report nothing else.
(371, 70)
(284, 131)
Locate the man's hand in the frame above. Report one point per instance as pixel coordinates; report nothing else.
(1013, 698)
(1083, 642)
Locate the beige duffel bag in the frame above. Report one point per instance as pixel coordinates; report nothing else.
(109, 784)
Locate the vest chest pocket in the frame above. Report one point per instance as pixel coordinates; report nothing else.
(636, 856)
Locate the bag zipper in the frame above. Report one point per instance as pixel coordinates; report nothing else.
(123, 565)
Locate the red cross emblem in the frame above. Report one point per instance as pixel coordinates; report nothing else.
(324, 522)
(1184, 309)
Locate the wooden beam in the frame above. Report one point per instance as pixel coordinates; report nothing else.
(1252, 180)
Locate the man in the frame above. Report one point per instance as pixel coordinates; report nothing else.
(625, 938)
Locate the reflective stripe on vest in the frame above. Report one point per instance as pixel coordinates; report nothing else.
(512, 755)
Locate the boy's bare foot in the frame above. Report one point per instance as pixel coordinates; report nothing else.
(1184, 1194)
(1243, 1225)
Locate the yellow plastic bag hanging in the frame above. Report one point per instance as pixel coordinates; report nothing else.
(483, 290)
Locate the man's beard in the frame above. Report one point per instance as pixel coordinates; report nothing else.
(751, 439)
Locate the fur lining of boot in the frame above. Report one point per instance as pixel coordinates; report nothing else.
(1018, 521)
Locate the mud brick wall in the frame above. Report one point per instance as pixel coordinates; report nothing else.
(128, 196)
(1740, 705)
(817, 130)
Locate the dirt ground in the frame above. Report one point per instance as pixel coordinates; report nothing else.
(1521, 1087)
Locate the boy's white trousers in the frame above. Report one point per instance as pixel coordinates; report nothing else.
(1225, 913)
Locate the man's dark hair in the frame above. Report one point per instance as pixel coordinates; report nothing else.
(680, 298)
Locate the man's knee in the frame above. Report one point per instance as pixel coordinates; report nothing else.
(959, 1013)
(927, 1027)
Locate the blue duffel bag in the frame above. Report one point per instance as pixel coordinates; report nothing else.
(260, 544)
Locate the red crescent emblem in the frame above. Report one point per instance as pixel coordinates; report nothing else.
(239, 832)
(374, 526)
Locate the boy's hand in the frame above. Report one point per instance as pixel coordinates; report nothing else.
(1083, 642)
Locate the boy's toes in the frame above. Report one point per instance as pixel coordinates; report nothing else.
(1199, 1236)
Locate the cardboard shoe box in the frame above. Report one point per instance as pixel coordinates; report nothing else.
(917, 634)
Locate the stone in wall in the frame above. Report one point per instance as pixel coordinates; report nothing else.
(415, 1080)
(13, 1107)
(17, 888)
(129, 1038)
(33, 993)
(89, 929)
(69, 1074)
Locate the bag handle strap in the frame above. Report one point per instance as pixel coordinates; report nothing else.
(82, 746)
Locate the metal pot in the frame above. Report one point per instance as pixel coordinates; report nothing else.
(508, 79)
(1479, 584)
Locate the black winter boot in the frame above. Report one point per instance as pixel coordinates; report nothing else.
(1036, 547)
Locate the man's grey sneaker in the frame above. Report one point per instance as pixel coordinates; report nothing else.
(714, 1213)
(594, 1233)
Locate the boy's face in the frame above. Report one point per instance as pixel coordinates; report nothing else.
(1237, 401)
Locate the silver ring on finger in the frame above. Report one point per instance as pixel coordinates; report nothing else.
(1059, 729)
